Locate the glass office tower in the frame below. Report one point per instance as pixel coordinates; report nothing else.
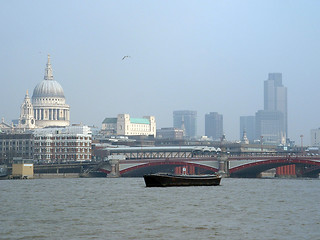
(186, 120)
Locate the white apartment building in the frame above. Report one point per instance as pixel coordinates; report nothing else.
(62, 144)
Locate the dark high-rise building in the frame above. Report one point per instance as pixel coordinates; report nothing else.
(214, 125)
(247, 124)
(187, 121)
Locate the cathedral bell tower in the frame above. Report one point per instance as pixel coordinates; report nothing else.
(26, 119)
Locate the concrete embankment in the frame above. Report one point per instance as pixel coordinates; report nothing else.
(55, 175)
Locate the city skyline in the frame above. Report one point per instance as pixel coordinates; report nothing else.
(184, 55)
(188, 118)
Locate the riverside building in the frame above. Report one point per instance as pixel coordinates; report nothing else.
(62, 144)
(124, 125)
(15, 145)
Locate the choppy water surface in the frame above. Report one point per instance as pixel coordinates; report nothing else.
(124, 208)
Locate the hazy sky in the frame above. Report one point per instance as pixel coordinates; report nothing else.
(208, 56)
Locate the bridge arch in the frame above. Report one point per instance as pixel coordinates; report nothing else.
(164, 166)
(306, 167)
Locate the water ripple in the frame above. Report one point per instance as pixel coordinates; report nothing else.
(125, 209)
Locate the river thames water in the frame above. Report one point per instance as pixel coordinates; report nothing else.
(123, 208)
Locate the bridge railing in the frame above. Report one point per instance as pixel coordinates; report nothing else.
(199, 154)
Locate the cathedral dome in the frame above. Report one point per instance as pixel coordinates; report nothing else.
(48, 88)
(48, 101)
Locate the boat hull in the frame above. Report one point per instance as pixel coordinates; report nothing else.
(168, 180)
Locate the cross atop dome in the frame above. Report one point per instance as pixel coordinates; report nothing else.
(48, 72)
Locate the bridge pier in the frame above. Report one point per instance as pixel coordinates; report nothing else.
(223, 165)
(114, 168)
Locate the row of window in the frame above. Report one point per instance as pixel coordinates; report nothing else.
(139, 133)
(63, 156)
(62, 144)
(49, 99)
(18, 154)
(62, 150)
(15, 143)
(15, 149)
(62, 138)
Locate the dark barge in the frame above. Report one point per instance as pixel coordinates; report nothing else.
(171, 180)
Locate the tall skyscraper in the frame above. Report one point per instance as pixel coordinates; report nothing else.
(275, 97)
(214, 125)
(247, 124)
(186, 120)
(271, 123)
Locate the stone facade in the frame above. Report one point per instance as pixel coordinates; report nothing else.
(26, 120)
(128, 126)
(124, 125)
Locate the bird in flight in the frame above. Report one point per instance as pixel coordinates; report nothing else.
(125, 57)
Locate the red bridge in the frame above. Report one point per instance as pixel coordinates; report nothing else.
(233, 166)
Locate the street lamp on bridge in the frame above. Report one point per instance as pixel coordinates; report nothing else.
(301, 136)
